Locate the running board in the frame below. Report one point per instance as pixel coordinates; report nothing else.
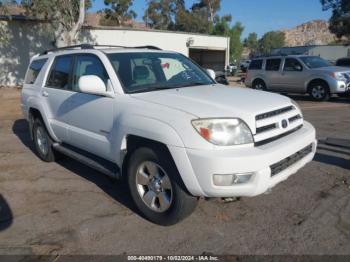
(87, 159)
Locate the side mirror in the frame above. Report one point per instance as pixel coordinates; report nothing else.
(211, 73)
(92, 84)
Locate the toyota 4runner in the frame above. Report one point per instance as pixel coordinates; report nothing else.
(160, 122)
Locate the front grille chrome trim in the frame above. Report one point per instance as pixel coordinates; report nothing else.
(272, 139)
(274, 113)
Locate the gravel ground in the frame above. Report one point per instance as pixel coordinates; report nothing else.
(67, 208)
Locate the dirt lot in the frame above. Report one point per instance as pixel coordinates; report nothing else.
(67, 208)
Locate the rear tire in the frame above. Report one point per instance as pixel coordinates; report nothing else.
(156, 187)
(319, 91)
(259, 85)
(42, 141)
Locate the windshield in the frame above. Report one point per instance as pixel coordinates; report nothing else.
(315, 61)
(145, 72)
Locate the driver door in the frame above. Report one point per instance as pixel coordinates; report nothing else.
(90, 118)
(293, 76)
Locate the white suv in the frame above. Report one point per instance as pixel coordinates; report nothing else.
(160, 122)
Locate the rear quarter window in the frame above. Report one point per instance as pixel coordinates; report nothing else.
(34, 70)
(256, 65)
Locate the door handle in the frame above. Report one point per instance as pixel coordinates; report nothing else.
(45, 94)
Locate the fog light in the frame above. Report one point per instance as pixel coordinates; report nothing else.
(231, 179)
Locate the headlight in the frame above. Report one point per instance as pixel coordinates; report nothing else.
(339, 76)
(224, 132)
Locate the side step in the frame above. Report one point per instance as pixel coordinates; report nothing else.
(99, 164)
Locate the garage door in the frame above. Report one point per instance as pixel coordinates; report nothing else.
(209, 58)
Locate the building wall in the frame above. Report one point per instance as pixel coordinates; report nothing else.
(330, 52)
(26, 39)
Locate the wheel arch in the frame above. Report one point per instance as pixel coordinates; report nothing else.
(316, 80)
(34, 113)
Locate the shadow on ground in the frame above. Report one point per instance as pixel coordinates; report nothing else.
(6, 216)
(115, 189)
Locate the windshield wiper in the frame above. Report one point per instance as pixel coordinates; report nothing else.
(191, 84)
(162, 87)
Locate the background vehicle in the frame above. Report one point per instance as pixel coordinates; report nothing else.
(231, 69)
(344, 62)
(244, 65)
(298, 74)
(163, 125)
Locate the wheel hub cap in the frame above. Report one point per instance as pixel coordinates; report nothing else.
(154, 186)
(42, 141)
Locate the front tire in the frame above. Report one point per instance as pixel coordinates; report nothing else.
(42, 141)
(319, 91)
(156, 187)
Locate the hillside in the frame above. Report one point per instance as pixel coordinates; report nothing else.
(311, 33)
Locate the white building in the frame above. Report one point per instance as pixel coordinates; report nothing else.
(27, 37)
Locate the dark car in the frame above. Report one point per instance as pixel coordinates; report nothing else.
(344, 62)
(221, 78)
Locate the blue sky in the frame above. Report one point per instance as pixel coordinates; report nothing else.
(258, 16)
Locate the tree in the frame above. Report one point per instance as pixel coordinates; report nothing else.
(271, 40)
(236, 45)
(118, 12)
(66, 16)
(251, 42)
(159, 14)
(340, 20)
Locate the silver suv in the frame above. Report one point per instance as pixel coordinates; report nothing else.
(298, 74)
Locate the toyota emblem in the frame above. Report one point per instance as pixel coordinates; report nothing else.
(284, 123)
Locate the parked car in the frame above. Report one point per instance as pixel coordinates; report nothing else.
(344, 62)
(161, 123)
(221, 78)
(244, 65)
(231, 69)
(298, 74)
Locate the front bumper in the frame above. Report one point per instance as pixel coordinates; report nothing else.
(257, 160)
(337, 86)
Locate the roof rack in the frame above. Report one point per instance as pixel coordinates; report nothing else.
(89, 46)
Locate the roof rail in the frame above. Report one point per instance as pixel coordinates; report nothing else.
(89, 46)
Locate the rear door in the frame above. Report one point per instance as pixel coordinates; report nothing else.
(90, 117)
(293, 76)
(273, 73)
(57, 96)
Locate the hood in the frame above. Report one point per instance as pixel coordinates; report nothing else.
(217, 101)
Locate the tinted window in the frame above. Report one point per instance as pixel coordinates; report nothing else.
(144, 72)
(34, 70)
(88, 65)
(60, 73)
(256, 64)
(343, 62)
(273, 64)
(315, 61)
(291, 64)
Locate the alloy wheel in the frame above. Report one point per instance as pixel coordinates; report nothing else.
(154, 186)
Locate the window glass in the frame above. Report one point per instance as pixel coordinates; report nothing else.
(144, 72)
(315, 61)
(291, 64)
(34, 70)
(343, 62)
(273, 64)
(88, 65)
(256, 64)
(59, 76)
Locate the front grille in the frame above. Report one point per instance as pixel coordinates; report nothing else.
(294, 118)
(289, 161)
(274, 113)
(266, 128)
(271, 139)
